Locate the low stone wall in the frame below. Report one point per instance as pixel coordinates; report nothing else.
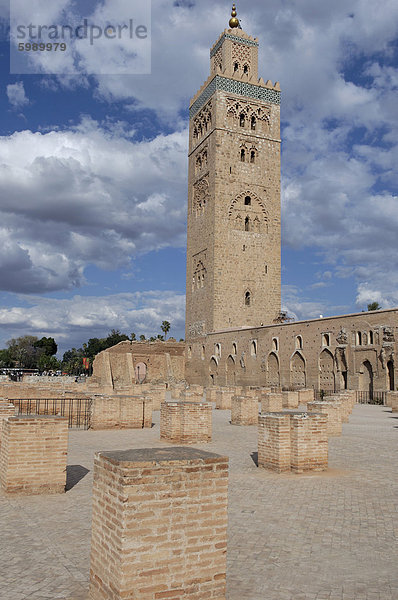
(271, 402)
(290, 400)
(121, 412)
(333, 410)
(186, 422)
(244, 410)
(33, 454)
(295, 442)
(164, 540)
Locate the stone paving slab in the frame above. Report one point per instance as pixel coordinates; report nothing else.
(327, 536)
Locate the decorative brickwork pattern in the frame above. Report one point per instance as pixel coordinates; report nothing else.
(121, 412)
(244, 410)
(186, 422)
(33, 454)
(159, 528)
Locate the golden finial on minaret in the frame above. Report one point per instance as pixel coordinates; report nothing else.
(233, 22)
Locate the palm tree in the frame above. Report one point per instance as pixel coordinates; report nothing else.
(165, 327)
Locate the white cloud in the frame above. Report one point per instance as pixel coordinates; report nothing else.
(16, 94)
(73, 321)
(88, 195)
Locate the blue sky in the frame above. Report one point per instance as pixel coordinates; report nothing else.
(93, 167)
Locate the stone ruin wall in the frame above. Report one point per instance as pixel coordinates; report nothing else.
(115, 368)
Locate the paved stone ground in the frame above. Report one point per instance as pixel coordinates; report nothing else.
(329, 536)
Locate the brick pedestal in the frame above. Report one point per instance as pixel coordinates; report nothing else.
(121, 412)
(271, 402)
(33, 454)
(224, 399)
(295, 442)
(244, 410)
(308, 442)
(211, 393)
(186, 422)
(333, 411)
(159, 528)
(290, 400)
(6, 410)
(392, 401)
(274, 442)
(191, 396)
(305, 396)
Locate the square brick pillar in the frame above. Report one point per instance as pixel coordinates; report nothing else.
(306, 395)
(392, 401)
(271, 402)
(211, 393)
(290, 400)
(274, 442)
(191, 396)
(308, 442)
(244, 410)
(333, 411)
(121, 412)
(33, 454)
(159, 525)
(224, 399)
(186, 422)
(6, 410)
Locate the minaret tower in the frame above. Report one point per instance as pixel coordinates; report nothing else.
(233, 248)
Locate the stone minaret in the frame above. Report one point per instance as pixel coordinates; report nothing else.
(233, 255)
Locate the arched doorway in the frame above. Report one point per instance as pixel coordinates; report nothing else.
(297, 371)
(230, 371)
(366, 378)
(390, 373)
(326, 371)
(213, 371)
(140, 372)
(273, 377)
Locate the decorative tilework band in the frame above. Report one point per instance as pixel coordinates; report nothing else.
(234, 87)
(235, 39)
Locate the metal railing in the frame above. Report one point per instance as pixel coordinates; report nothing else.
(77, 410)
(371, 397)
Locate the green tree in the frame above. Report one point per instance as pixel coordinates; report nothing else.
(374, 306)
(133, 337)
(114, 337)
(48, 345)
(23, 352)
(142, 338)
(165, 327)
(48, 363)
(5, 359)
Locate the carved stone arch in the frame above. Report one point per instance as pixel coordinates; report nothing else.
(298, 376)
(240, 198)
(230, 370)
(327, 379)
(365, 379)
(273, 370)
(213, 370)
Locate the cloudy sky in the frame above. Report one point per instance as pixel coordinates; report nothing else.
(93, 162)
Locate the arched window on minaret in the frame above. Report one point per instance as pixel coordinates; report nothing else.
(236, 67)
(243, 155)
(253, 156)
(247, 299)
(246, 69)
(253, 123)
(248, 201)
(247, 224)
(242, 120)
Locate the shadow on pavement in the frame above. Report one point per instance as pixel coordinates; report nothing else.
(74, 473)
